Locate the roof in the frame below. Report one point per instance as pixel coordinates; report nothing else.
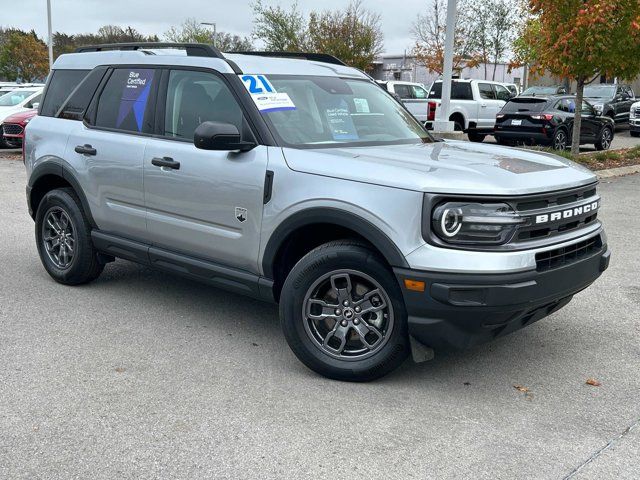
(249, 64)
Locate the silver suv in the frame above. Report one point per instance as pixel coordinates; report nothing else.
(300, 181)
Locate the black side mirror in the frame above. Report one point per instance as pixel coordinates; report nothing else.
(220, 136)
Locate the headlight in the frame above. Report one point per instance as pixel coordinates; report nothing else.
(598, 107)
(472, 223)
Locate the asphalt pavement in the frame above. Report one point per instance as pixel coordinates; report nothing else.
(146, 375)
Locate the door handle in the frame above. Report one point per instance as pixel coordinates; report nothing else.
(483, 105)
(165, 162)
(86, 149)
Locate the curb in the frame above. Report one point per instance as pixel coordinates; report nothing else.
(618, 172)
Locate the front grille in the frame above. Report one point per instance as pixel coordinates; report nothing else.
(560, 257)
(637, 112)
(11, 129)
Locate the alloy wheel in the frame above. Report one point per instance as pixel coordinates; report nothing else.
(58, 237)
(605, 139)
(347, 315)
(560, 140)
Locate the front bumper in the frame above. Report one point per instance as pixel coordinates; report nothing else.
(458, 310)
(634, 124)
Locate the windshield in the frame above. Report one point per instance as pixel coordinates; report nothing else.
(13, 98)
(330, 111)
(540, 90)
(600, 91)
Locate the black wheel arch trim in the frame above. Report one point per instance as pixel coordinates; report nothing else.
(336, 216)
(57, 169)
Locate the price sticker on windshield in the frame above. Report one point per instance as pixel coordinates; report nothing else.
(265, 96)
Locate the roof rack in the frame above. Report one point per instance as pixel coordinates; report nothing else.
(316, 57)
(192, 49)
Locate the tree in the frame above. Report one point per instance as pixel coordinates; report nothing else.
(429, 31)
(353, 35)
(23, 56)
(65, 43)
(492, 29)
(582, 40)
(192, 31)
(279, 29)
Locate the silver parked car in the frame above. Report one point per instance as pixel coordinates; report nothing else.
(300, 181)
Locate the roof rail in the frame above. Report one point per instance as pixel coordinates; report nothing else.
(192, 49)
(316, 57)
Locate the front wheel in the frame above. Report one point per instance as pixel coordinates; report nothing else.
(634, 134)
(605, 139)
(476, 137)
(342, 313)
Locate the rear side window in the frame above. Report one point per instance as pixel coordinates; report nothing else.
(124, 102)
(459, 91)
(567, 105)
(80, 98)
(62, 83)
(524, 105)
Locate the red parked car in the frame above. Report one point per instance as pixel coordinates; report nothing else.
(13, 127)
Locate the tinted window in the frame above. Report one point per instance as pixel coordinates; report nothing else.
(516, 105)
(486, 91)
(197, 97)
(60, 86)
(80, 98)
(567, 105)
(124, 102)
(459, 91)
(403, 91)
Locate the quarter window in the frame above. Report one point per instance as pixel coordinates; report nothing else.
(197, 97)
(60, 86)
(124, 102)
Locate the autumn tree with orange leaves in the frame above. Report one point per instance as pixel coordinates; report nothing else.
(582, 40)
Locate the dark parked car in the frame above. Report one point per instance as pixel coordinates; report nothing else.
(549, 121)
(613, 101)
(544, 91)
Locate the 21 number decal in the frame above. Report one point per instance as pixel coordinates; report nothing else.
(257, 84)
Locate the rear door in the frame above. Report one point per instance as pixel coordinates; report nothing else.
(108, 151)
(208, 206)
(489, 105)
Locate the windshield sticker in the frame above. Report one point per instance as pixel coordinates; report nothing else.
(265, 96)
(342, 127)
(362, 105)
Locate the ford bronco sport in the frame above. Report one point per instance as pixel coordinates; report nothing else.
(296, 179)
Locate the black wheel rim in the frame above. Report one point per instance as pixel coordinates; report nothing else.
(560, 141)
(347, 315)
(606, 139)
(58, 237)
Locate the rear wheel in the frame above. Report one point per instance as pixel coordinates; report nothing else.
(342, 313)
(560, 140)
(63, 237)
(634, 134)
(605, 139)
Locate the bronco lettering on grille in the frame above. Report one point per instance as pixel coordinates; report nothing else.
(568, 213)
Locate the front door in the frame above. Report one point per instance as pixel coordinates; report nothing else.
(210, 205)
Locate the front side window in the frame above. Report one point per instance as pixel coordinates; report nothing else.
(15, 97)
(419, 92)
(124, 102)
(331, 111)
(197, 97)
(502, 93)
(486, 91)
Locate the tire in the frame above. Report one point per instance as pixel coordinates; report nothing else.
(60, 215)
(458, 126)
(604, 139)
(560, 140)
(476, 137)
(502, 141)
(376, 343)
(634, 134)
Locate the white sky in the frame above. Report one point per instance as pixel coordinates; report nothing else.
(156, 16)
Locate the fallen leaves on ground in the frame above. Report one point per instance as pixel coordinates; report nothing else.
(120, 369)
(527, 392)
(593, 382)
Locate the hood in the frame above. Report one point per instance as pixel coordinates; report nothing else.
(445, 167)
(7, 111)
(21, 116)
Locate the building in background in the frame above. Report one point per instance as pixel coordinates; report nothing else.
(405, 68)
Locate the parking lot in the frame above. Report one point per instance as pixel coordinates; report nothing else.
(147, 375)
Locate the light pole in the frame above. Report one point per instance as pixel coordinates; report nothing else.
(50, 42)
(211, 24)
(442, 123)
